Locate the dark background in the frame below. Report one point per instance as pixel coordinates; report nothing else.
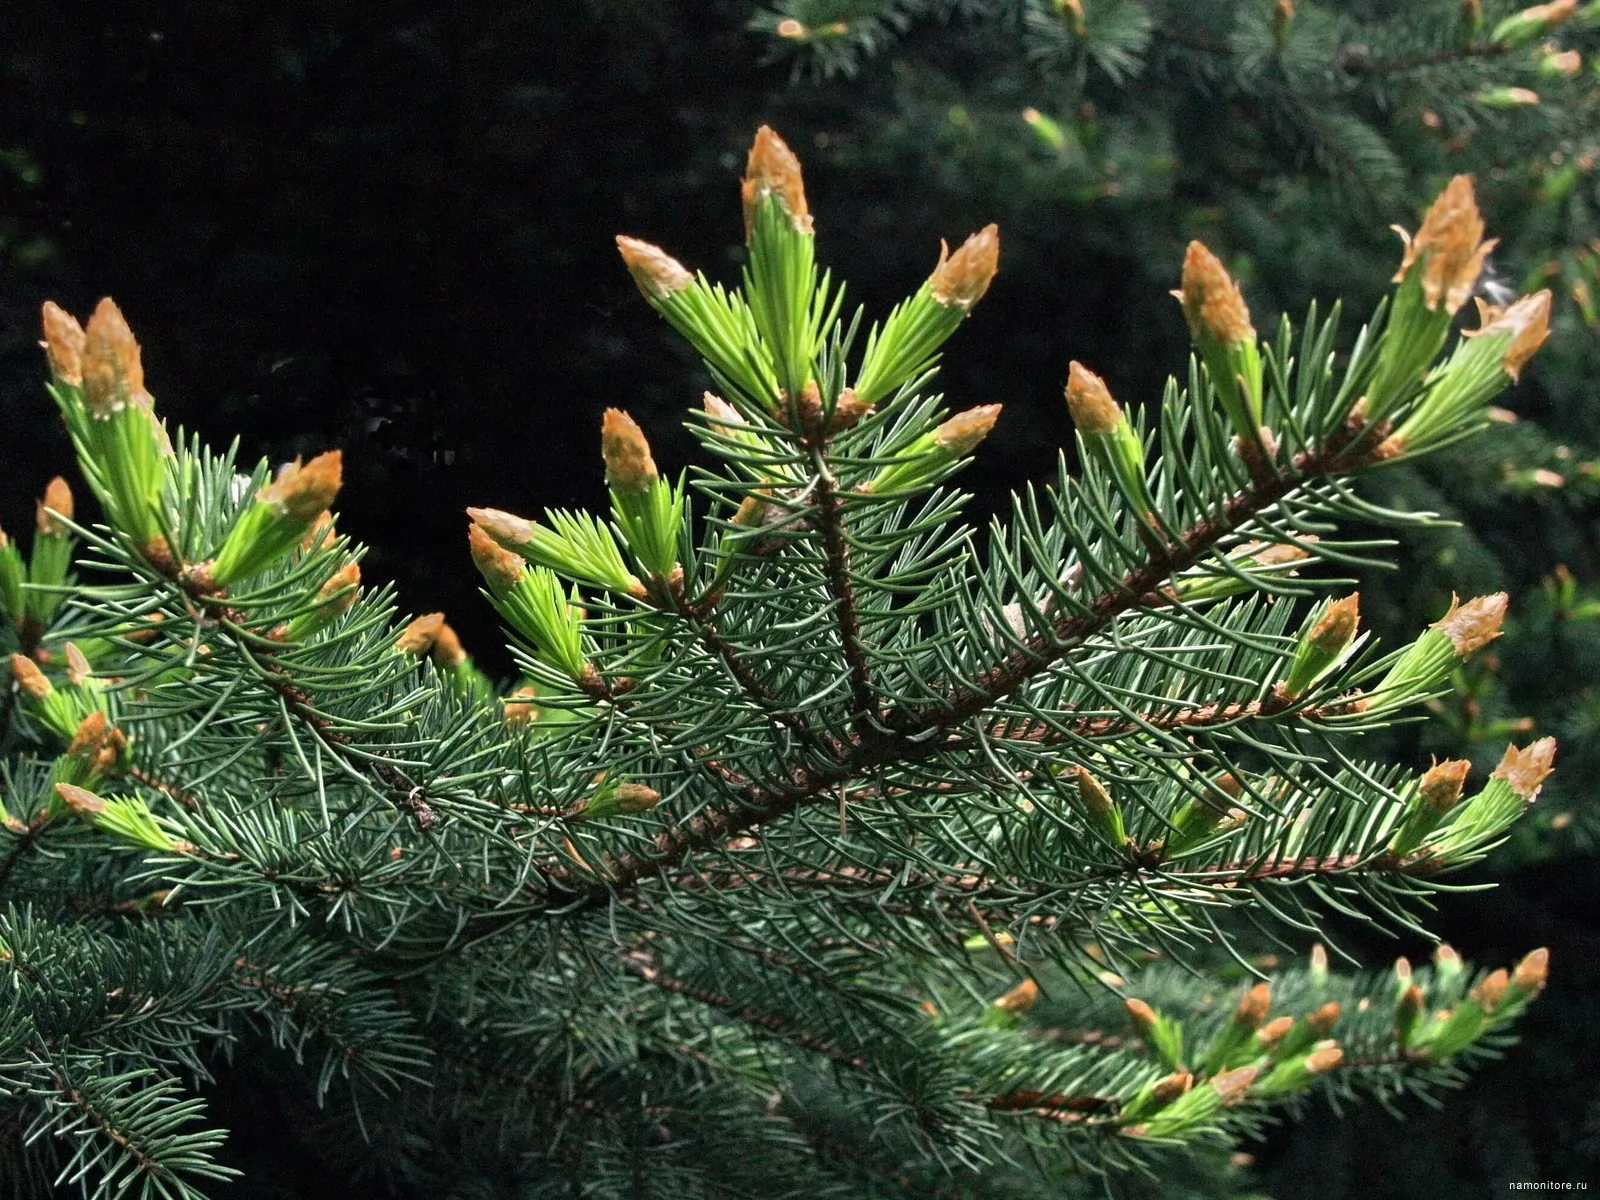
(388, 228)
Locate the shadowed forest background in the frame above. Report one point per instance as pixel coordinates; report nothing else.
(388, 228)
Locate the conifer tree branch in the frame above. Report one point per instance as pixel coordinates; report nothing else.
(830, 521)
(1343, 455)
(108, 1128)
(641, 965)
(702, 620)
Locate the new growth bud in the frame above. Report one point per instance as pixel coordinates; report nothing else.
(1090, 402)
(1531, 973)
(772, 170)
(1104, 815)
(657, 273)
(1441, 785)
(1322, 648)
(1319, 964)
(1524, 26)
(501, 569)
(78, 668)
(1527, 321)
(1491, 989)
(1144, 1017)
(283, 512)
(1273, 1031)
(1231, 1086)
(301, 494)
(961, 279)
(1424, 665)
(1220, 326)
(521, 707)
(113, 375)
(1438, 792)
(1212, 302)
(31, 681)
(961, 434)
(417, 637)
(1474, 624)
(929, 458)
(611, 800)
(629, 467)
(80, 802)
(1171, 1087)
(1020, 998)
(1526, 769)
(337, 596)
(58, 500)
(1449, 249)
(63, 344)
(1254, 1006)
(1324, 1059)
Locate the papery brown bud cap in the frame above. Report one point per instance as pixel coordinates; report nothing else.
(63, 344)
(319, 535)
(78, 666)
(1441, 785)
(1450, 247)
(302, 492)
(1232, 1085)
(1532, 971)
(1553, 13)
(773, 170)
(1255, 1005)
(1090, 402)
(636, 798)
(961, 279)
(30, 679)
(1492, 989)
(500, 568)
(656, 272)
(521, 707)
(1273, 1031)
(720, 410)
(342, 589)
(1475, 624)
(1526, 769)
(90, 736)
(417, 637)
(962, 432)
(1020, 998)
(1278, 554)
(113, 375)
(1093, 793)
(1325, 1017)
(1212, 301)
(629, 466)
(1528, 322)
(57, 499)
(448, 652)
(1411, 1000)
(83, 803)
(1338, 624)
(506, 528)
(1324, 1058)
(1144, 1017)
(1169, 1089)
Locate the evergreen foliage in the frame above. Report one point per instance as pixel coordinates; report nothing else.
(827, 845)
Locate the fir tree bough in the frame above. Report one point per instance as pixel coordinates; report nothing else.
(826, 846)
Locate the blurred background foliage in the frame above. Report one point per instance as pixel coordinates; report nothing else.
(389, 228)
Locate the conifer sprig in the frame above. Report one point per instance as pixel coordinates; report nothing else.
(804, 775)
